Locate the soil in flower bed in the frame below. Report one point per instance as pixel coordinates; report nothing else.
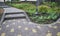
(1, 12)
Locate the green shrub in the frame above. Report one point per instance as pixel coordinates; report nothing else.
(52, 4)
(30, 8)
(17, 0)
(8, 2)
(57, 9)
(43, 8)
(22, 5)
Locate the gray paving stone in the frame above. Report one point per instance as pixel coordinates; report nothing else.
(17, 27)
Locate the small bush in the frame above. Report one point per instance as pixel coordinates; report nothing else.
(30, 8)
(51, 4)
(43, 8)
(22, 5)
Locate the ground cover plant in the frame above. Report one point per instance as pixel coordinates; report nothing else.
(48, 12)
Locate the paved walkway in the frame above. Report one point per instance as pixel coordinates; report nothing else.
(21, 27)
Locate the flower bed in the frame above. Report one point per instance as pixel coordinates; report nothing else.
(47, 13)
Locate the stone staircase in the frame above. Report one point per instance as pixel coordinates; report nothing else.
(13, 13)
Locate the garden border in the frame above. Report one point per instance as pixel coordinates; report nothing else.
(44, 24)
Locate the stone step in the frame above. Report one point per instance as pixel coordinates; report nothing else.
(15, 16)
(13, 10)
(15, 13)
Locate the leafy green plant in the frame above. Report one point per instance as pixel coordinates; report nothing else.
(50, 14)
(51, 4)
(22, 5)
(57, 9)
(30, 8)
(17, 0)
(43, 8)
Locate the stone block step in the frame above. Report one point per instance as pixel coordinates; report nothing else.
(15, 13)
(15, 16)
(12, 10)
